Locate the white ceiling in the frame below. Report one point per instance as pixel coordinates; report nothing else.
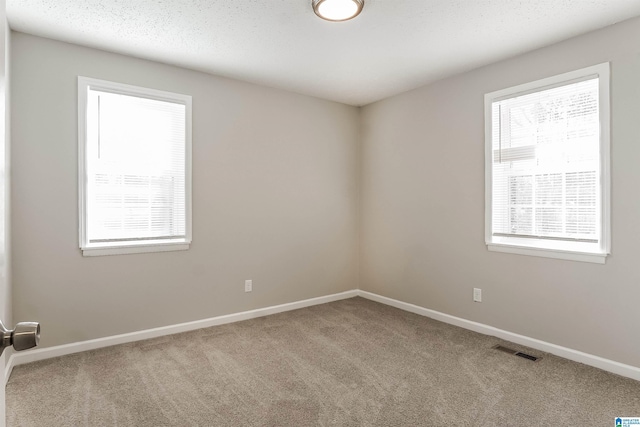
(393, 46)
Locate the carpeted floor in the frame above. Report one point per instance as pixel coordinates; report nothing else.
(347, 363)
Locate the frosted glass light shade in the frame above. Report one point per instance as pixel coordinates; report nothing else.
(337, 10)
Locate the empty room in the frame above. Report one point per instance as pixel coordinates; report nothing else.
(320, 213)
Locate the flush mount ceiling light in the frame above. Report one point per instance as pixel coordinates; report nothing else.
(337, 10)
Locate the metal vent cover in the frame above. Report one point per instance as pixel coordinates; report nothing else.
(516, 353)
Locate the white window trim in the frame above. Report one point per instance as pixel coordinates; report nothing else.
(145, 246)
(533, 247)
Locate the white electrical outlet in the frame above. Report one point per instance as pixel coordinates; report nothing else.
(477, 294)
(248, 285)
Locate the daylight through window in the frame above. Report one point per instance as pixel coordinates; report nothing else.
(136, 169)
(545, 156)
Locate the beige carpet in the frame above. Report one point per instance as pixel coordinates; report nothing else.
(348, 363)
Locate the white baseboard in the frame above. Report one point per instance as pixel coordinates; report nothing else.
(17, 359)
(567, 353)
(8, 367)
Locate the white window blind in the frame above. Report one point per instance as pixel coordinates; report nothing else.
(135, 170)
(546, 179)
(546, 163)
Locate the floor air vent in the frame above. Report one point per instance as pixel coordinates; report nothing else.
(527, 356)
(516, 353)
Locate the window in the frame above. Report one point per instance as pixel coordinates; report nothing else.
(134, 169)
(547, 167)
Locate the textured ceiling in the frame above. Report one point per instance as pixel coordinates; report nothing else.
(393, 46)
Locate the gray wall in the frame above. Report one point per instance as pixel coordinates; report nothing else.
(274, 200)
(5, 241)
(423, 207)
(5, 234)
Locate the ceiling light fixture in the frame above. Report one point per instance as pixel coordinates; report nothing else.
(337, 10)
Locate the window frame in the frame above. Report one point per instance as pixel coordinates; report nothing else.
(546, 247)
(141, 246)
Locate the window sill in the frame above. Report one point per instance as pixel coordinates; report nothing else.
(569, 251)
(104, 249)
